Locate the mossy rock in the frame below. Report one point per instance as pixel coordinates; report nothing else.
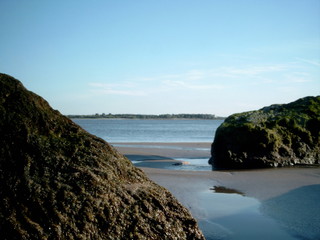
(274, 136)
(60, 182)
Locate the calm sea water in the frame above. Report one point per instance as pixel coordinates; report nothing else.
(127, 130)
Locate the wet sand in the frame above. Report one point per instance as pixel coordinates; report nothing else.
(165, 150)
(288, 196)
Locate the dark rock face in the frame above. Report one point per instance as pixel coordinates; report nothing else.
(274, 136)
(60, 182)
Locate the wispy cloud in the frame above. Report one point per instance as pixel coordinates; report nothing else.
(120, 92)
(253, 70)
(115, 89)
(201, 80)
(195, 75)
(312, 62)
(217, 78)
(298, 77)
(187, 85)
(110, 85)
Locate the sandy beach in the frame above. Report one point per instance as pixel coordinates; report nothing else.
(285, 199)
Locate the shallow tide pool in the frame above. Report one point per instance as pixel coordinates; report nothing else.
(233, 216)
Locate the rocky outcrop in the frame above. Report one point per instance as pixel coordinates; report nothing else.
(60, 182)
(274, 136)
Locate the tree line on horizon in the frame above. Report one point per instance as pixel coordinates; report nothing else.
(149, 116)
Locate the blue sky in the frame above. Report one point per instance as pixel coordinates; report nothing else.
(162, 56)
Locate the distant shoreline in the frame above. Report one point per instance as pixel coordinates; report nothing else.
(149, 117)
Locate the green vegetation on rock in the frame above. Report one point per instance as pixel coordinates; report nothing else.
(278, 135)
(60, 182)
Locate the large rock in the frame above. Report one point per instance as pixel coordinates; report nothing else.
(278, 135)
(60, 182)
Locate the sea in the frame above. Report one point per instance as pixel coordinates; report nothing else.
(131, 130)
(118, 132)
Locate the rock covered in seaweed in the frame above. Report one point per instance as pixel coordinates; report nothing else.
(60, 182)
(274, 136)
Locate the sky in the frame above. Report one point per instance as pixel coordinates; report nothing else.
(162, 56)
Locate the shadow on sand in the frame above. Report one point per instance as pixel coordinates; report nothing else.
(297, 210)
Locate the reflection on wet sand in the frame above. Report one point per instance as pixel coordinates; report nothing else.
(221, 189)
